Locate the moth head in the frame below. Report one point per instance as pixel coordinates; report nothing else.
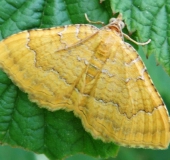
(117, 22)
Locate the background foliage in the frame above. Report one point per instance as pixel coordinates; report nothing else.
(60, 134)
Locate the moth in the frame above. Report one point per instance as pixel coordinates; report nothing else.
(93, 73)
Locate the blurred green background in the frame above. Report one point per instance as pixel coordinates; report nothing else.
(8, 153)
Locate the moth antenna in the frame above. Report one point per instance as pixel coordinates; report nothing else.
(93, 22)
(138, 43)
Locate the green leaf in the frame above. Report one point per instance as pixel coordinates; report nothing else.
(22, 123)
(151, 20)
(60, 134)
